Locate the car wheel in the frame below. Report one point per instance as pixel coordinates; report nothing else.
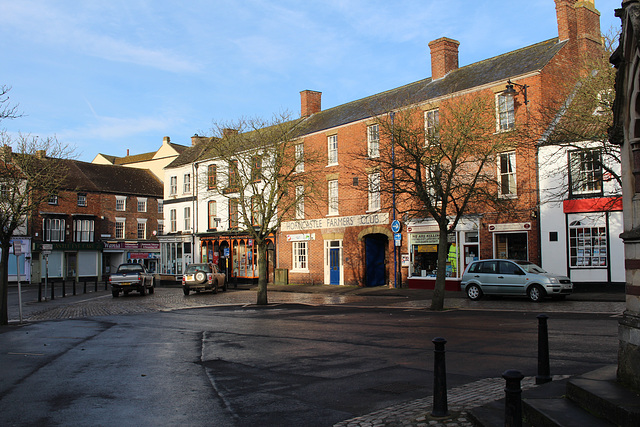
(200, 276)
(115, 294)
(474, 292)
(536, 293)
(185, 290)
(143, 290)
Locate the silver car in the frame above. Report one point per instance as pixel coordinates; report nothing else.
(508, 277)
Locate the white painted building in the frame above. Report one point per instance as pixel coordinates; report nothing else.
(581, 215)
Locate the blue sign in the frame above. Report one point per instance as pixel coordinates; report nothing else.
(226, 252)
(395, 226)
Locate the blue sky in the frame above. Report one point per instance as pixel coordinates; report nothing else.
(107, 76)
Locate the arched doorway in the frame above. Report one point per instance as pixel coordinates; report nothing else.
(375, 246)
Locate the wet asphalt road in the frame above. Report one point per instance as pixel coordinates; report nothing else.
(142, 361)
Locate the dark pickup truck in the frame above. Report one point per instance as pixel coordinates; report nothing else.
(131, 277)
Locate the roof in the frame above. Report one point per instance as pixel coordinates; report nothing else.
(91, 177)
(500, 68)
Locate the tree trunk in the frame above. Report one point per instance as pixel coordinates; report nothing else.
(4, 282)
(262, 273)
(437, 302)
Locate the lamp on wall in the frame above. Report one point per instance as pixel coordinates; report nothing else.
(510, 91)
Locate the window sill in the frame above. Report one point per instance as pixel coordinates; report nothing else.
(299, 270)
(332, 164)
(333, 214)
(370, 211)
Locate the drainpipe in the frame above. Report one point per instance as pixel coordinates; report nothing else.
(393, 195)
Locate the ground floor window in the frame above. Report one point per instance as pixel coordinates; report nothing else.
(587, 246)
(174, 255)
(424, 255)
(511, 246)
(244, 258)
(300, 254)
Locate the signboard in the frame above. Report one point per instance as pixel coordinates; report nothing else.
(397, 238)
(395, 226)
(337, 222)
(301, 237)
(17, 248)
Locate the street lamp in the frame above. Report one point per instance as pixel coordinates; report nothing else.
(510, 91)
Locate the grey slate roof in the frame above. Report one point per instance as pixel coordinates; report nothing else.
(91, 177)
(500, 68)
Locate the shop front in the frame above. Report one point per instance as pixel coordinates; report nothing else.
(176, 252)
(116, 253)
(236, 255)
(20, 263)
(69, 260)
(462, 248)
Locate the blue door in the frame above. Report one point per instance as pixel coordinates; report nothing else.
(375, 249)
(334, 266)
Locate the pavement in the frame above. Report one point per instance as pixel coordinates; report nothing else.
(417, 413)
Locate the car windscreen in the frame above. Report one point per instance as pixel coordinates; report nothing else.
(130, 268)
(530, 267)
(192, 268)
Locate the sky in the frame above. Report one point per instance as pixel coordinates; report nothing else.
(111, 76)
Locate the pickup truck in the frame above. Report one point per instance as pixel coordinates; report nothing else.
(131, 277)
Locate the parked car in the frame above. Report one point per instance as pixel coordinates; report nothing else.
(200, 277)
(509, 277)
(131, 277)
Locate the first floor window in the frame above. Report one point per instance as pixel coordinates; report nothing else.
(300, 202)
(587, 245)
(142, 204)
(82, 199)
(83, 230)
(373, 140)
(160, 227)
(212, 172)
(187, 218)
(120, 223)
(507, 174)
(585, 172)
(186, 183)
(300, 254)
(213, 213)
(160, 206)
(299, 157)
(54, 230)
(173, 186)
(374, 192)
(233, 213)
(332, 150)
(333, 197)
(173, 220)
(431, 124)
(142, 230)
(121, 203)
(506, 112)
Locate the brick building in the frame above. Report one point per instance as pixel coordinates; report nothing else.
(100, 217)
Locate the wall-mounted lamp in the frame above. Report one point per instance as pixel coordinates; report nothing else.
(510, 91)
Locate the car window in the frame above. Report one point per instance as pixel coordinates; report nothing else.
(530, 267)
(475, 267)
(490, 267)
(507, 267)
(192, 268)
(130, 268)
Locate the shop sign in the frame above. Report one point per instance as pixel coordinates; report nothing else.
(132, 245)
(301, 237)
(337, 222)
(516, 226)
(429, 238)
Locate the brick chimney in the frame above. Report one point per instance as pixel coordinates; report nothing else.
(7, 153)
(196, 139)
(444, 57)
(166, 140)
(310, 102)
(227, 132)
(579, 22)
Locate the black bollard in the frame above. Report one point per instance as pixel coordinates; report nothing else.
(64, 288)
(544, 371)
(53, 295)
(84, 286)
(40, 291)
(512, 398)
(74, 288)
(96, 287)
(440, 408)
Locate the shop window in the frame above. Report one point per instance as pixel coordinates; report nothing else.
(587, 246)
(511, 246)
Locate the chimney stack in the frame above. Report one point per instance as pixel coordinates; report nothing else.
(196, 139)
(41, 154)
(127, 152)
(579, 22)
(7, 153)
(444, 57)
(227, 132)
(166, 140)
(310, 102)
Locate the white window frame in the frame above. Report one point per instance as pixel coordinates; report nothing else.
(431, 123)
(186, 183)
(160, 230)
(300, 202)
(142, 228)
(332, 187)
(373, 140)
(375, 199)
(507, 176)
(505, 112)
(585, 175)
(173, 186)
(299, 156)
(173, 220)
(332, 150)
(120, 228)
(300, 251)
(83, 230)
(121, 203)
(187, 218)
(212, 213)
(82, 199)
(54, 230)
(142, 204)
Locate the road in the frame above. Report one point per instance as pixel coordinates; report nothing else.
(287, 364)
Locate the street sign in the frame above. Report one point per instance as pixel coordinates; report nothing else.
(397, 238)
(47, 247)
(395, 226)
(17, 248)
